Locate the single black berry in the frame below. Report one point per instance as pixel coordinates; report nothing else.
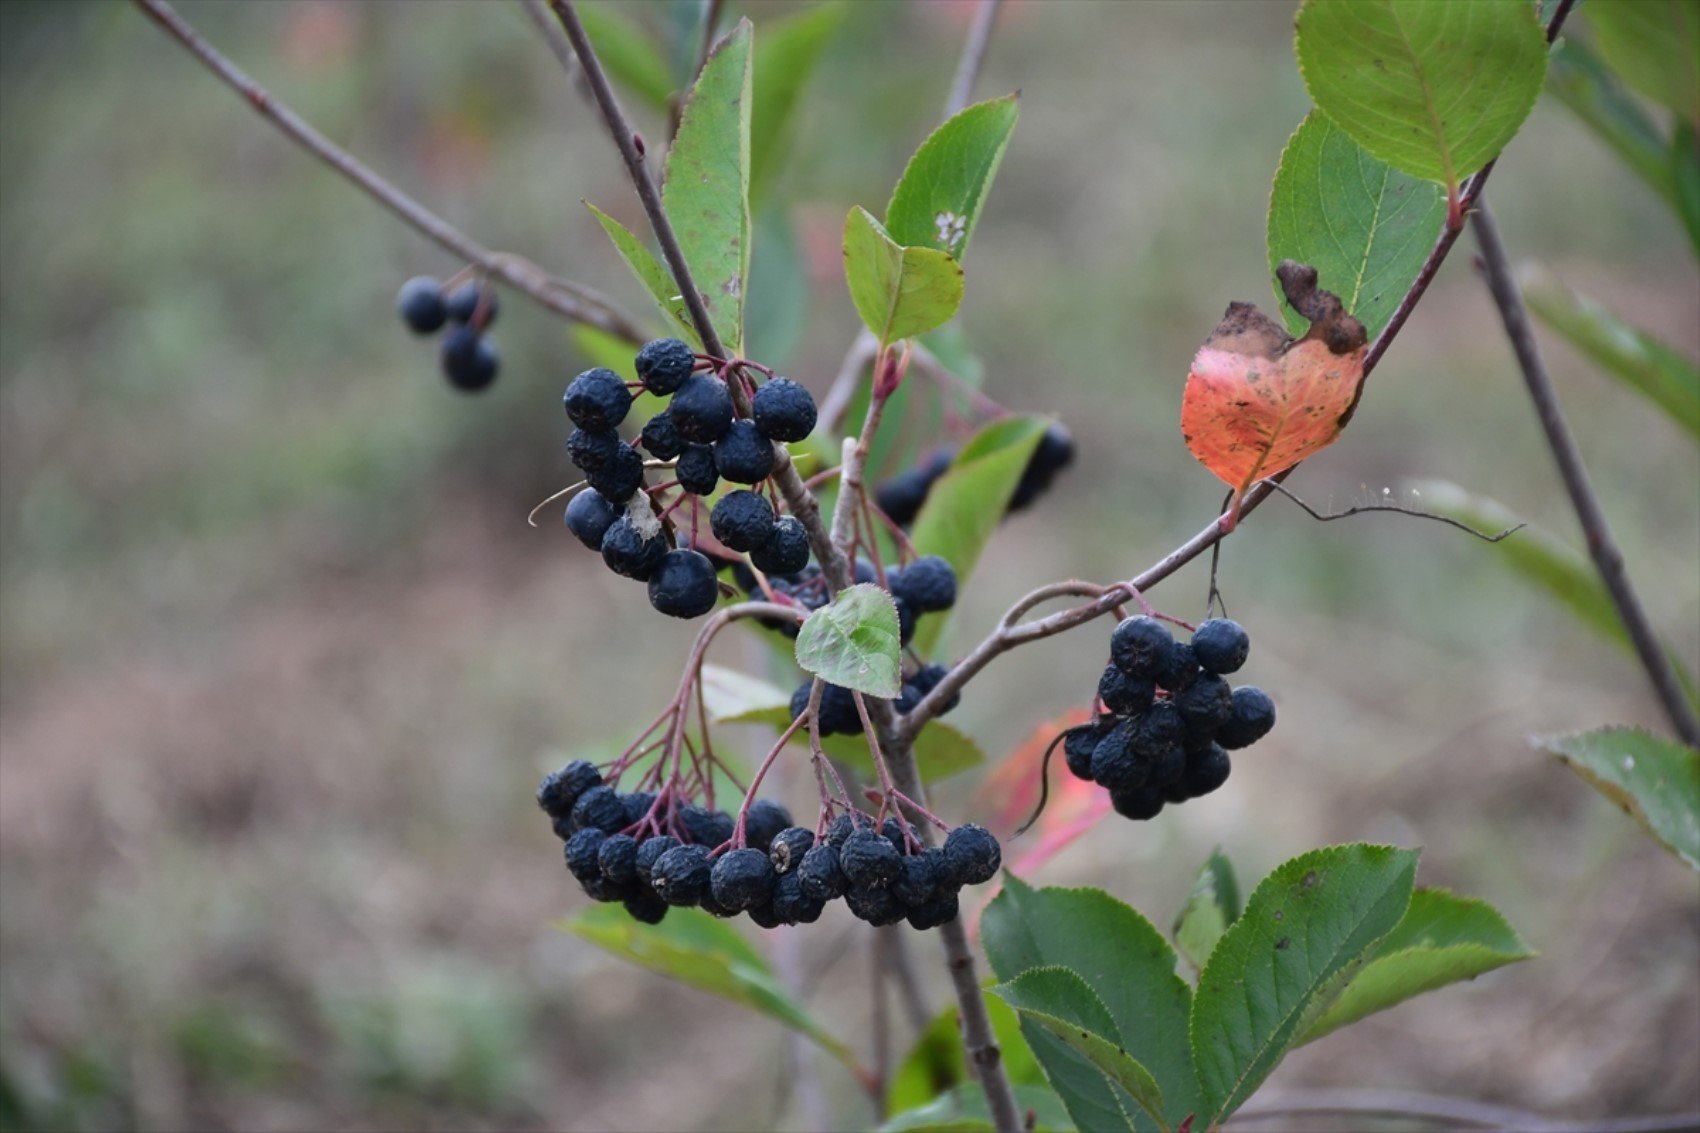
(1207, 768)
(742, 520)
(1122, 694)
(649, 851)
(681, 875)
(646, 907)
(1221, 645)
(628, 553)
(787, 848)
(1138, 803)
(764, 916)
(660, 438)
(663, 365)
(941, 909)
(599, 808)
(589, 450)
(683, 584)
(1205, 705)
(928, 584)
(876, 905)
(893, 831)
(1055, 452)
(1182, 669)
(743, 455)
(921, 682)
(589, 516)
(706, 827)
(1140, 647)
(972, 854)
(792, 904)
(783, 411)
(838, 831)
(620, 476)
(905, 620)
(838, 715)
(597, 399)
(800, 699)
(421, 304)
(901, 497)
(636, 805)
(617, 858)
(864, 571)
(561, 789)
(923, 875)
(1157, 728)
(1167, 765)
(696, 472)
(820, 874)
(786, 550)
(742, 879)
(1115, 763)
(1249, 720)
(583, 852)
(702, 409)
(869, 860)
(1079, 746)
(763, 822)
(463, 303)
(469, 361)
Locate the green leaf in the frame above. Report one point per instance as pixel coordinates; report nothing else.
(1307, 924)
(852, 641)
(1650, 44)
(628, 54)
(938, 199)
(655, 278)
(1685, 175)
(1364, 226)
(1658, 373)
(1441, 940)
(737, 698)
(899, 292)
(937, 1062)
(785, 57)
(964, 1110)
(1132, 968)
(1433, 89)
(964, 505)
(707, 187)
(697, 950)
(1211, 906)
(1060, 1002)
(1656, 781)
(1585, 85)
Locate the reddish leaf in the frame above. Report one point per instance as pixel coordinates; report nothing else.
(1257, 400)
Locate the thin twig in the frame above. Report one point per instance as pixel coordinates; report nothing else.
(1398, 509)
(973, 56)
(1602, 548)
(573, 300)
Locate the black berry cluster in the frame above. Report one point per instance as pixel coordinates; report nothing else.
(469, 361)
(901, 496)
(926, 585)
(838, 715)
(1169, 717)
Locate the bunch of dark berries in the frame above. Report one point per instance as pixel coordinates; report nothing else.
(838, 714)
(1168, 717)
(707, 442)
(469, 361)
(901, 497)
(652, 854)
(926, 585)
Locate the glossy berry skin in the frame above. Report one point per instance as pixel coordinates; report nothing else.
(1115, 762)
(561, 789)
(783, 411)
(786, 550)
(469, 361)
(901, 496)
(1141, 647)
(597, 400)
(621, 475)
(787, 848)
(763, 822)
(660, 438)
(681, 875)
(972, 854)
(649, 851)
(1078, 748)
(820, 875)
(617, 858)
(742, 879)
(941, 909)
(463, 303)
(1221, 645)
(421, 306)
(702, 409)
(743, 455)
(742, 520)
(663, 364)
(683, 584)
(1122, 694)
(1205, 705)
(583, 852)
(1139, 803)
(696, 471)
(928, 584)
(869, 860)
(1250, 718)
(1207, 768)
(628, 553)
(599, 808)
(590, 451)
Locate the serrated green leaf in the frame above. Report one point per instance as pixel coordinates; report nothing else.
(964, 1110)
(1639, 360)
(937, 1062)
(1312, 919)
(1130, 966)
(1211, 906)
(899, 292)
(852, 642)
(1060, 1002)
(1656, 781)
(938, 199)
(696, 949)
(1651, 46)
(1364, 226)
(786, 53)
(964, 506)
(707, 187)
(656, 280)
(1585, 85)
(1442, 939)
(628, 54)
(1435, 90)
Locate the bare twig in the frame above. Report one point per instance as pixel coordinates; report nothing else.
(1602, 547)
(573, 300)
(559, 46)
(1396, 509)
(973, 56)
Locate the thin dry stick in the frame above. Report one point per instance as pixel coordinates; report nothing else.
(573, 300)
(1602, 548)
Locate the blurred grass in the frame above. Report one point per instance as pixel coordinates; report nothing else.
(279, 661)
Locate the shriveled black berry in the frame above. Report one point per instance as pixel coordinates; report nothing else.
(590, 451)
(597, 399)
(561, 789)
(696, 472)
(783, 411)
(869, 860)
(713, 907)
(1167, 765)
(1157, 728)
(972, 854)
(680, 876)
(742, 520)
(563, 826)
(706, 827)
(1140, 646)
(743, 879)
(820, 875)
(893, 830)
(1115, 763)
(1205, 705)
(462, 304)
(928, 584)
(621, 475)
(1078, 748)
(838, 715)
(905, 620)
(874, 904)
(659, 438)
(1221, 644)
(792, 904)
(683, 584)
(628, 553)
(420, 304)
(786, 550)
(663, 364)
(617, 858)
(1122, 694)
(646, 907)
(924, 874)
(649, 851)
(1251, 716)
(702, 409)
(599, 808)
(1139, 804)
(840, 829)
(743, 455)
(1207, 768)
(469, 361)
(1182, 669)
(636, 804)
(763, 822)
(901, 496)
(942, 908)
(788, 847)
(583, 852)
(764, 916)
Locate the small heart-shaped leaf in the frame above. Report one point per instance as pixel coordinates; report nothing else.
(854, 642)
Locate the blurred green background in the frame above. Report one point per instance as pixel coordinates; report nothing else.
(280, 660)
